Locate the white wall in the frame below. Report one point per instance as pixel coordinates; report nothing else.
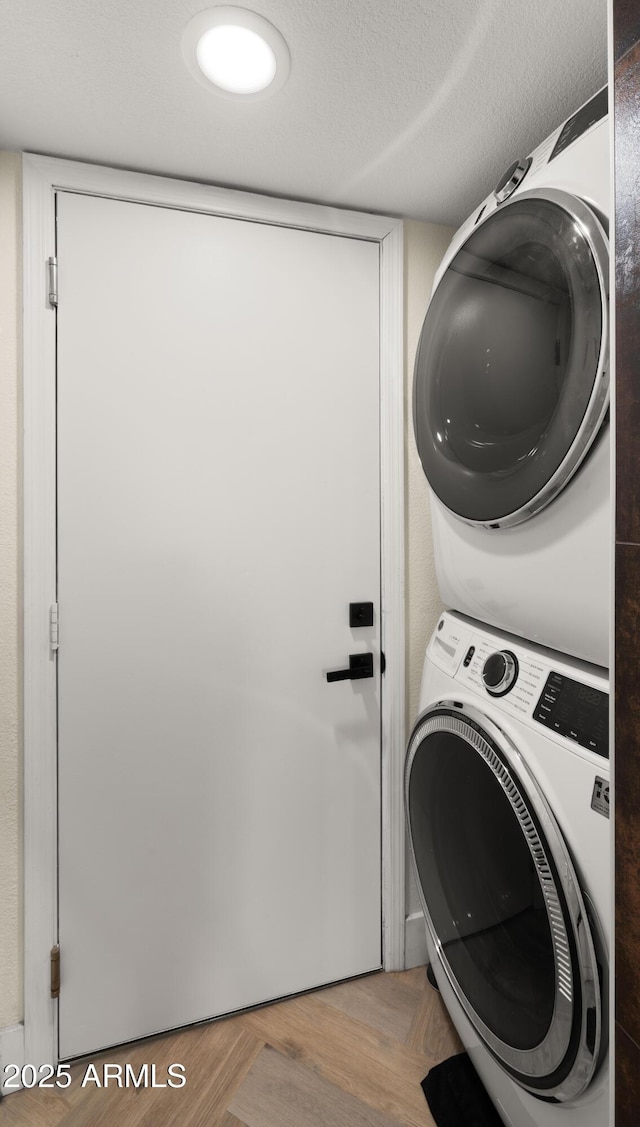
(10, 597)
(424, 247)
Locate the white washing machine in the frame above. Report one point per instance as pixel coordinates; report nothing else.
(511, 394)
(507, 796)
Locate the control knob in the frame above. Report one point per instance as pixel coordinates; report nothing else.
(500, 672)
(514, 176)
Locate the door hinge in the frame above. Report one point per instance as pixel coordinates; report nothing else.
(53, 282)
(55, 971)
(53, 627)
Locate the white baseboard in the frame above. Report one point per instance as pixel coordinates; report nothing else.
(415, 941)
(11, 1052)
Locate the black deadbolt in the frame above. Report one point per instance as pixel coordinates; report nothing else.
(360, 614)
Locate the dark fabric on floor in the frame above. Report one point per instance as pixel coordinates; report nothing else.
(456, 1095)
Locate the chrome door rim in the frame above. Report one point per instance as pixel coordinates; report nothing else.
(598, 404)
(524, 1066)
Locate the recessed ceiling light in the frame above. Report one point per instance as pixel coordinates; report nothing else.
(236, 53)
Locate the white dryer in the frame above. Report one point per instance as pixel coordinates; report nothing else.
(511, 394)
(507, 790)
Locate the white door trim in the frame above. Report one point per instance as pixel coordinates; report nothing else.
(42, 176)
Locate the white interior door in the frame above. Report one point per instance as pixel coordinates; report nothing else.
(218, 509)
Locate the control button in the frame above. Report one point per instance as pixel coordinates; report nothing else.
(500, 672)
(470, 653)
(514, 175)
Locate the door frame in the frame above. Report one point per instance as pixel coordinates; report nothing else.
(42, 177)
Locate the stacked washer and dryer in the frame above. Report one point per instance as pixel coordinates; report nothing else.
(507, 771)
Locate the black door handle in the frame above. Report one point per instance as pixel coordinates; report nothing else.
(360, 665)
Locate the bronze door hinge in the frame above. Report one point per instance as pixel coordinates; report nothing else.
(55, 971)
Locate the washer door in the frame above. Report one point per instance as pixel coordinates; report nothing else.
(511, 381)
(502, 902)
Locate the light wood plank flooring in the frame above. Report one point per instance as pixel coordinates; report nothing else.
(351, 1055)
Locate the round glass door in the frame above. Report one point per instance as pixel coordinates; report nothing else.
(511, 381)
(502, 903)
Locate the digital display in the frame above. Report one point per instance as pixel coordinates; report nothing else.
(576, 711)
(581, 121)
(587, 696)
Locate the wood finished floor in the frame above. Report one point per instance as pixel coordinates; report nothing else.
(351, 1055)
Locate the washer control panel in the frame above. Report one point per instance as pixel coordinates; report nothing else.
(525, 681)
(592, 112)
(579, 712)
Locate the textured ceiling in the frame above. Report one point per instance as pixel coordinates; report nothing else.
(396, 106)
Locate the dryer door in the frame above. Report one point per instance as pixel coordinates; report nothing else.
(502, 902)
(511, 381)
